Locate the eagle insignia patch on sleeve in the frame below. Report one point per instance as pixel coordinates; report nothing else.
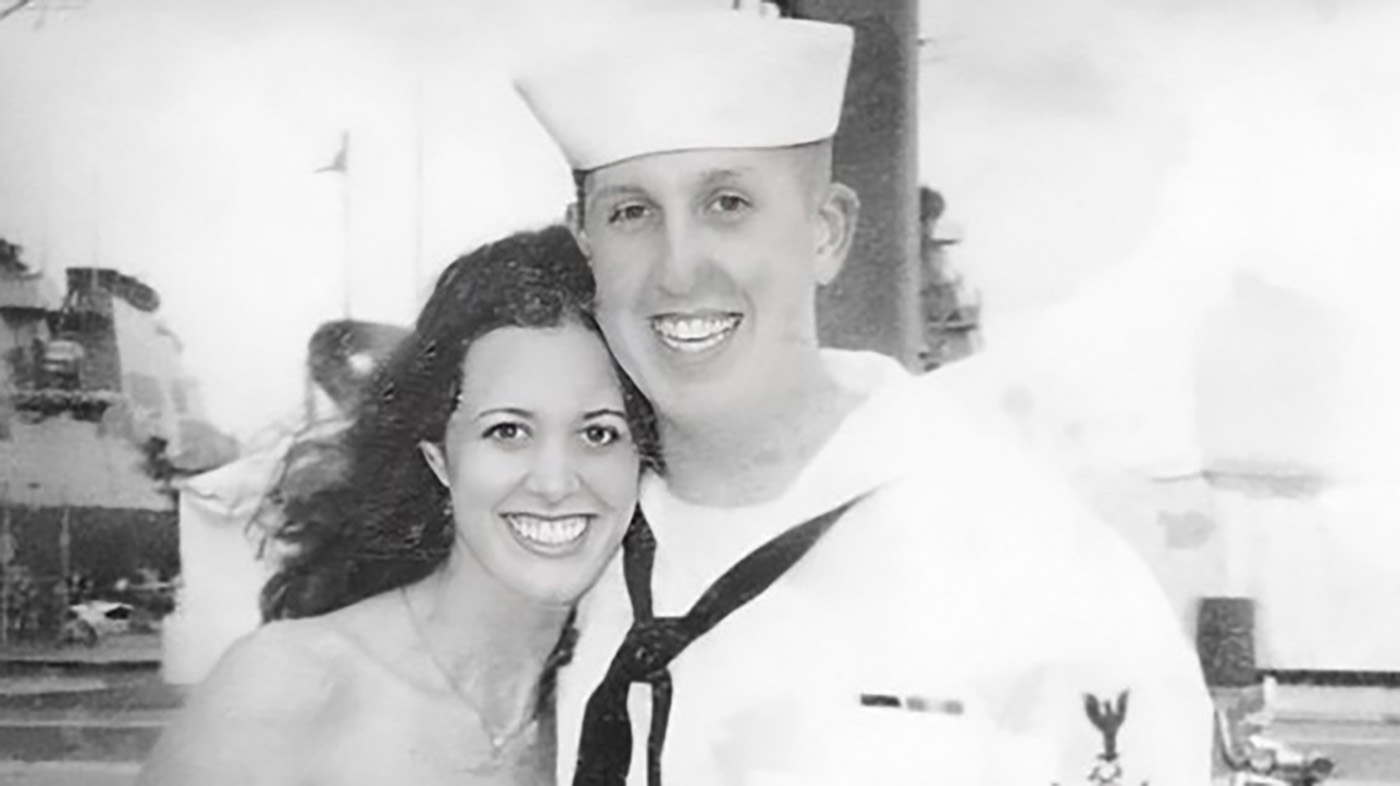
(1107, 716)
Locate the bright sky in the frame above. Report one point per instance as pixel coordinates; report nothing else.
(1084, 146)
(1117, 168)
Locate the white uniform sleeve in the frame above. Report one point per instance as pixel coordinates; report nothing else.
(1109, 690)
(1091, 677)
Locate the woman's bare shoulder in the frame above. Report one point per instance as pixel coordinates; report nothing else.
(251, 719)
(283, 666)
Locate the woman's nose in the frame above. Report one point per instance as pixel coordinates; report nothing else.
(553, 472)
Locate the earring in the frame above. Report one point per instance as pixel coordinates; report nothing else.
(448, 520)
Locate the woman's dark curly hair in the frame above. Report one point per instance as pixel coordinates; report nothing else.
(361, 513)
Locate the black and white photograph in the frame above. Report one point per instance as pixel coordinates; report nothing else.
(699, 392)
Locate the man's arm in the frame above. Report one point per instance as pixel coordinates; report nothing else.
(1110, 686)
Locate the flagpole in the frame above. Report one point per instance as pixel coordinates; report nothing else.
(346, 262)
(418, 184)
(340, 165)
(96, 215)
(46, 205)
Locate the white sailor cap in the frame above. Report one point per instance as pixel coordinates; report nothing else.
(662, 82)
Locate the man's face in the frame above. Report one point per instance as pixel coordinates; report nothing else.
(707, 263)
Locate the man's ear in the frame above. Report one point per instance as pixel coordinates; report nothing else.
(837, 216)
(573, 217)
(437, 461)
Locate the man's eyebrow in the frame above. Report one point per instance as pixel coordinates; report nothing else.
(604, 192)
(723, 174)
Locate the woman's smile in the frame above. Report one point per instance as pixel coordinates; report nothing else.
(554, 535)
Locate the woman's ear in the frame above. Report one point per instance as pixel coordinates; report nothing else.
(837, 216)
(437, 461)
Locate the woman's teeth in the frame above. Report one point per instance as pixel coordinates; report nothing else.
(548, 531)
(694, 334)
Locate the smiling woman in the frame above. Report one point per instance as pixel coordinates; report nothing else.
(539, 442)
(488, 477)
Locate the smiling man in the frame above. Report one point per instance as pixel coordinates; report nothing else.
(710, 301)
(842, 577)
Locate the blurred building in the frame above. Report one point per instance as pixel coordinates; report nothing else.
(1241, 435)
(96, 418)
(950, 311)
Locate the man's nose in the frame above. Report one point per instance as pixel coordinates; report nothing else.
(553, 472)
(681, 256)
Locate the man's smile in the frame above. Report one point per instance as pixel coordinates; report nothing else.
(695, 332)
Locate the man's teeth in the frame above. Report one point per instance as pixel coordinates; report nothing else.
(693, 334)
(548, 532)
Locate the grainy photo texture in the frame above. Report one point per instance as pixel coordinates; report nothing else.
(620, 392)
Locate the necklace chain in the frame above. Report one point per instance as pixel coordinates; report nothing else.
(501, 741)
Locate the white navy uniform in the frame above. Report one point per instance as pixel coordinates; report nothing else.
(950, 628)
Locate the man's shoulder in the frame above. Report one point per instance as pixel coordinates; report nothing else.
(953, 474)
(954, 411)
(970, 458)
(1004, 510)
(972, 486)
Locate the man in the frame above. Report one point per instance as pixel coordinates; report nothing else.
(932, 607)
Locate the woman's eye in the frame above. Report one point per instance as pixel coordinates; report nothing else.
(506, 432)
(601, 436)
(631, 211)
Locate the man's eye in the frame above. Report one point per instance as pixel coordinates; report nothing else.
(729, 203)
(628, 212)
(506, 432)
(601, 436)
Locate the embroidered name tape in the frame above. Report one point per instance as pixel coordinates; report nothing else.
(912, 703)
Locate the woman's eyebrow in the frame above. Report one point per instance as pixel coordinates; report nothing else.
(516, 411)
(597, 413)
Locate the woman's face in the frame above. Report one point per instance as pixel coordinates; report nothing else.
(539, 460)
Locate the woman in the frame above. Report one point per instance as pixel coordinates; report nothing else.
(483, 485)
